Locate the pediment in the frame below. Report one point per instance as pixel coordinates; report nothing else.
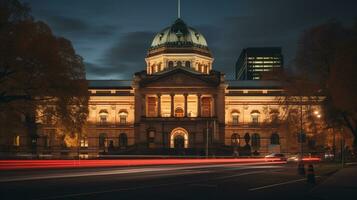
(180, 78)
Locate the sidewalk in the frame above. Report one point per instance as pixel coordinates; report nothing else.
(341, 185)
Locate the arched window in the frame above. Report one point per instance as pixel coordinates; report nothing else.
(255, 141)
(274, 115)
(255, 116)
(179, 64)
(123, 114)
(199, 67)
(179, 112)
(274, 139)
(171, 64)
(235, 139)
(102, 140)
(187, 64)
(103, 116)
(123, 140)
(235, 117)
(16, 140)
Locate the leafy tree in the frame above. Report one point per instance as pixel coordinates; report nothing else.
(327, 65)
(40, 75)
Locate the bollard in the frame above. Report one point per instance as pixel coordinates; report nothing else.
(311, 174)
(301, 168)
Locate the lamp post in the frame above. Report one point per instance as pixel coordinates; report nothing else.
(301, 132)
(207, 139)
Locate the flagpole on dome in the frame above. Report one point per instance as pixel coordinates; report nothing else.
(178, 9)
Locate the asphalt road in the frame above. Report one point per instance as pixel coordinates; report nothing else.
(214, 181)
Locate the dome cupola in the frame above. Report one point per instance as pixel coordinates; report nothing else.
(179, 46)
(179, 35)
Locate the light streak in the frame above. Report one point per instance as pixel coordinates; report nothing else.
(47, 164)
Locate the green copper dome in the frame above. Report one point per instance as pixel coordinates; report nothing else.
(179, 35)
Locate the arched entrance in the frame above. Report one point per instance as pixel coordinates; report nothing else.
(179, 138)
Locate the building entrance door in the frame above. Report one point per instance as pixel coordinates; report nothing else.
(179, 138)
(179, 142)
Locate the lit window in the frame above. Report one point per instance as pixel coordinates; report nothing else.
(123, 114)
(179, 64)
(179, 112)
(235, 117)
(17, 140)
(103, 115)
(84, 142)
(255, 116)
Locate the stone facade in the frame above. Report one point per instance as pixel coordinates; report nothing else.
(178, 105)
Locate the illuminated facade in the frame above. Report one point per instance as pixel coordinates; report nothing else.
(253, 62)
(178, 105)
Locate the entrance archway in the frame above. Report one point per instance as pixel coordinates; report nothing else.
(179, 138)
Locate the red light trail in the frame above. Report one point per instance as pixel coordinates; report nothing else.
(47, 164)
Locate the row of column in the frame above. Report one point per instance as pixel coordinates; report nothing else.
(173, 104)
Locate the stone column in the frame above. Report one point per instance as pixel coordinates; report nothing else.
(143, 105)
(158, 105)
(214, 105)
(185, 95)
(198, 105)
(172, 105)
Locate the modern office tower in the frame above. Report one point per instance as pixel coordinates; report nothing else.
(253, 62)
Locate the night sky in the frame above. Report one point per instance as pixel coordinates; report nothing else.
(113, 35)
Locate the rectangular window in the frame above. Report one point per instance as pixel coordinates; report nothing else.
(17, 140)
(84, 142)
(255, 119)
(151, 106)
(122, 119)
(235, 119)
(103, 119)
(206, 107)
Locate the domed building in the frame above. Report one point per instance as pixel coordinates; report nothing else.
(179, 105)
(179, 46)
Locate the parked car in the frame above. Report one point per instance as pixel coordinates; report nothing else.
(276, 156)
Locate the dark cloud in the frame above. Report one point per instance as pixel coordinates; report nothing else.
(78, 28)
(229, 26)
(129, 52)
(96, 71)
(67, 24)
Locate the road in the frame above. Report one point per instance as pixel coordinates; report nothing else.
(200, 181)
